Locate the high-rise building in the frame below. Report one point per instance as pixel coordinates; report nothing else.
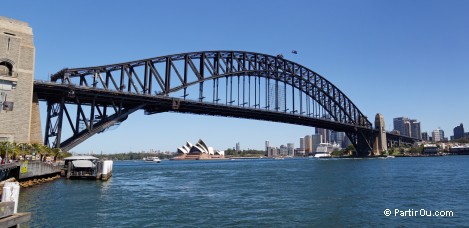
(436, 135)
(337, 137)
(308, 144)
(407, 127)
(402, 124)
(425, 136)
(267, 147)
(302, 144)
(238, 148)
(291, 149)
(316, 140)
(283, 151)
(458, 131)
(326, 134)
(415, 129)
(272, 152)
(442, 135)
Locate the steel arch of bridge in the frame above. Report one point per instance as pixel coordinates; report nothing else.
(116, 87)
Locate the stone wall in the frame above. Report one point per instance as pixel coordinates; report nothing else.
(22, 123)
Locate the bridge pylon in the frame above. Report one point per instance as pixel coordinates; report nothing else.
(19, 108)
(379, 137)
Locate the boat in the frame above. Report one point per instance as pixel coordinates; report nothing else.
(153, 159)
(390, 156)
(322, 155)
(324, 150)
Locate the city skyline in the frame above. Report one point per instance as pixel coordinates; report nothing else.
(383, 56)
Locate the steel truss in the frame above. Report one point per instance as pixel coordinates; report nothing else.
(235, 80)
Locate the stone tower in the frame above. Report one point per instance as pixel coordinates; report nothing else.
(380, 144)
(19, 109)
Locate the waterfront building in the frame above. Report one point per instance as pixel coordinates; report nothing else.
(458, 131)
(308, 143)
(87, 167)
(299, 152)
(430, 149)
(290, 149)
(272, 152)
(283, 150)
(459, 150)
(198, 151)
(267, 146)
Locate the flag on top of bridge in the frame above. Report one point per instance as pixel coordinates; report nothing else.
(294, 52)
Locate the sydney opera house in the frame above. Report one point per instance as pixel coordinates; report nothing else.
(199, 151)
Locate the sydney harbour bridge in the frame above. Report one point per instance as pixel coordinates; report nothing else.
(82, 102)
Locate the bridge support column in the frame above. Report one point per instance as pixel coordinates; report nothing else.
(379, 138)
(19, 111)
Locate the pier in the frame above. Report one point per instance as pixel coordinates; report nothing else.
(87, 167)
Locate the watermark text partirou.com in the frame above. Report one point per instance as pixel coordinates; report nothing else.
(417, 213)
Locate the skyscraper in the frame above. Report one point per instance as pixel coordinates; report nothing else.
(415, 129)
(425, 136)
(436, 135)
(316, 140)
(458, 131)
(302, 144)
(407, 127)
(442, 134)
(325, 133)
(337, 137)
(291, 149)
(402, 124)
(283, 150)
(308, 144)
(267, 146)
(238, 148)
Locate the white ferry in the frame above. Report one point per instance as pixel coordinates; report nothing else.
(153, 159)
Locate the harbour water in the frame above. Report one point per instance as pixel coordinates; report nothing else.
(259, 193)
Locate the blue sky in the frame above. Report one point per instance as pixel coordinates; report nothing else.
(398, 58)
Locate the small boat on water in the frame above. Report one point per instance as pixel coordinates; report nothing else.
(153, 159)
